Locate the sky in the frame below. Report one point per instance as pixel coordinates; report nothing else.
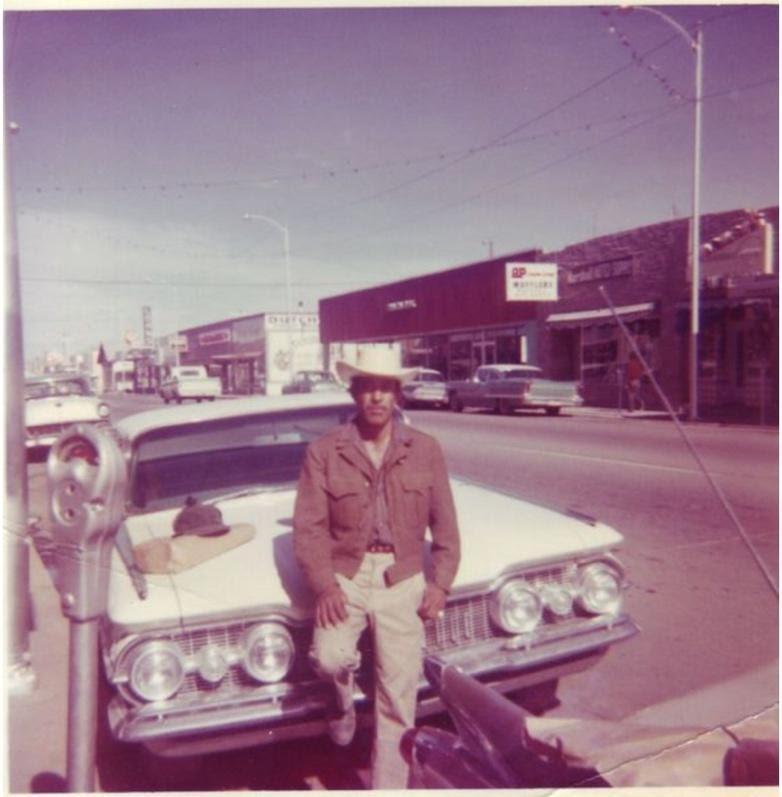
(388, 142)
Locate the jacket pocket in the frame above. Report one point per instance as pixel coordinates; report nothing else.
(345, 504)
(415, 501)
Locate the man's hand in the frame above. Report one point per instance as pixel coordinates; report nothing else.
(432, 603)
(330, 607)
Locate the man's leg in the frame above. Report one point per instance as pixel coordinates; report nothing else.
(399, 641)
(335, 658)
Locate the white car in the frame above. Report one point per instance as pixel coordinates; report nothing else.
(55, 401)
(427, 388)
(215, 656)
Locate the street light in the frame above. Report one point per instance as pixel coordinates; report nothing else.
(286, 248)
(696, 44)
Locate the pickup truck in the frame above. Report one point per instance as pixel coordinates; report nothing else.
(506, 388)
(189, 382)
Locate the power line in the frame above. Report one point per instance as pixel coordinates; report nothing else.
(187, 284)
(467, 200)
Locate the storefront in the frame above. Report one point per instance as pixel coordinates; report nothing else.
(255, 354)
(451, 321)
(457, 319)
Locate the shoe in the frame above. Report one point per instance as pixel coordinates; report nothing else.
(342, 726)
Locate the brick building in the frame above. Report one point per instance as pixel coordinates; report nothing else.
(457, 319)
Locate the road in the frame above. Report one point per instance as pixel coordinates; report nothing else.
(706, 611)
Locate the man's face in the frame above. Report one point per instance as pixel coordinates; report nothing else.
(375, 398)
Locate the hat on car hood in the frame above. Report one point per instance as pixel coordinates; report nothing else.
(201, 520)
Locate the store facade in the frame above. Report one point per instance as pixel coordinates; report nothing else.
(457, 319)
(451, 321)
(254, 354)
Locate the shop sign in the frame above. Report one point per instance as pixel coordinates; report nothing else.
(214, 338)
(177, 342)
(292, 321)
(601, 271)
(401, 304)
(531, 282)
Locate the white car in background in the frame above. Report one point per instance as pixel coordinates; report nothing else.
(214, 656)
(55, 401)
(427, 388)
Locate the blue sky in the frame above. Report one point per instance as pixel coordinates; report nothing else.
(390, 142)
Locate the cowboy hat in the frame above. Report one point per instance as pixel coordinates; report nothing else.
(376, 361)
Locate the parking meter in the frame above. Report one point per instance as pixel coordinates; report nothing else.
(87, 477)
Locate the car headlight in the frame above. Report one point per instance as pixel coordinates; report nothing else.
(157, 670)
(212, 664)
(268, 652)
(558, 599)
(103, 410)
(516, 607)
(600, 588)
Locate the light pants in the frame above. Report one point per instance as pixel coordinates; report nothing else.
(398, 639)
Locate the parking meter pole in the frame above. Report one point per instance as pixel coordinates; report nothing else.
(82, 705)
(87, 474)
(20, 674)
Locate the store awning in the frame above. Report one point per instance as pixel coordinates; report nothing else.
(580, 316)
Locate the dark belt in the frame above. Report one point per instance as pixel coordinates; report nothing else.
(380, 547)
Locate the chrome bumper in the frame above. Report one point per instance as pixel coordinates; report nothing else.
(288, 711)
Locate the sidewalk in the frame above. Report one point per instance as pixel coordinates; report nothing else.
(37, 722)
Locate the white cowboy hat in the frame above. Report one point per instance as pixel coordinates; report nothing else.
(377, 362)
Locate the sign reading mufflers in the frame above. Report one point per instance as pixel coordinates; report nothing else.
(531, 282)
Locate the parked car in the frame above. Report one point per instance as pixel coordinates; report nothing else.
(312, 382)
(54, 402)
(215, 656)
(506, 388)
(189, 382)
(427, 389)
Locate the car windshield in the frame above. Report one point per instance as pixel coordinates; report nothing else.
(430, 376)
(209, 459)
(317, 376)
(56, 387)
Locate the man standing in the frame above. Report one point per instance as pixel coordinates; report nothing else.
(367, 493)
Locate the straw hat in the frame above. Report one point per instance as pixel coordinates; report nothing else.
(379, 362)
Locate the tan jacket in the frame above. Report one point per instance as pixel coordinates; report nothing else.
(332, 518)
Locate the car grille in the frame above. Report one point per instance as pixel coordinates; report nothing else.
(464, 622)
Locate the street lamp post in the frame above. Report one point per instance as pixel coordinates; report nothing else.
(286, 244)
(696, 44)
(286, 249)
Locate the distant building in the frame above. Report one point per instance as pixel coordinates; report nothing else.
(257, 353)
(491, 311)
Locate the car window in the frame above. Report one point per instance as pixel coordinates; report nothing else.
(189, 372)
(431, 376)
(222, 456)
(521, 373)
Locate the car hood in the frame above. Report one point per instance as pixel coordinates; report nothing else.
(60, 409)
(499, 533)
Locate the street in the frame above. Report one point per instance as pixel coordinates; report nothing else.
(707, 614)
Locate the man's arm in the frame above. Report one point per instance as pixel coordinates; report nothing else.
(311, 538)
(445, 536)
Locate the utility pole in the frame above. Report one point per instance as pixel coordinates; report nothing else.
(21, 677)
